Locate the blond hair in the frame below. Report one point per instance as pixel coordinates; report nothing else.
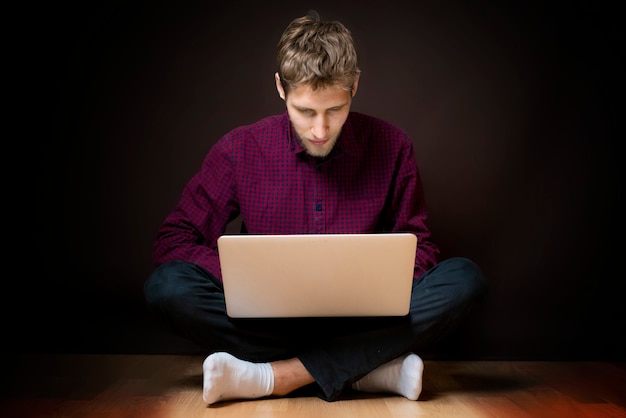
(317, 53)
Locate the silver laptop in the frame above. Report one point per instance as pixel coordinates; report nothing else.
(317, 275)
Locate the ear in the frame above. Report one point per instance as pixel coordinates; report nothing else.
(355, 86)
(279, 86)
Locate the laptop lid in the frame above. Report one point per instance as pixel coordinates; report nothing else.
(317, 275)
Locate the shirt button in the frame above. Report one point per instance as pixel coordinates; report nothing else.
(318, 207)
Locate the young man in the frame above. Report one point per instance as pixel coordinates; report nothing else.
(318, 168)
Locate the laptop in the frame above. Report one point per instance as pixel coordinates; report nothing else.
(317, 275)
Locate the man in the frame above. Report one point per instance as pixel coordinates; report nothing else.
(318, 168)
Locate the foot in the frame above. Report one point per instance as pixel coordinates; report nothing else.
(402, 376)
(227, 377)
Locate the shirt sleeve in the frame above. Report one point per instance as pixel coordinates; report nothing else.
(206, 206)
(410, 209)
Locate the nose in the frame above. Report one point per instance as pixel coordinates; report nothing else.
(319, 129)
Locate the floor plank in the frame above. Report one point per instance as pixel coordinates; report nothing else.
(170, 386)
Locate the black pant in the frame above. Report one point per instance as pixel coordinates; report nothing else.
(336, 351)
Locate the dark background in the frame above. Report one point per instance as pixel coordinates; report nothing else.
(515, 112)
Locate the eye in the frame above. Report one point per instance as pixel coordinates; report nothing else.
(334, 110)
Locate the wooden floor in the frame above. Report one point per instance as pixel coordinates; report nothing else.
(168, 386)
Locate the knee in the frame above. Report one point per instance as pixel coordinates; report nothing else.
(163, 287)
(470, 280)
(462, 280)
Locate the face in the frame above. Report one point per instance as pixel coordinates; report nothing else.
(318, 115)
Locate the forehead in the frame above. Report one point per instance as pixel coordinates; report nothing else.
(322, 98)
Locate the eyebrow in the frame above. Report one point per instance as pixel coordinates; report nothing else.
(303, 108)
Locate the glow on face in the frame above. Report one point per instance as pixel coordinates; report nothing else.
(318, 116)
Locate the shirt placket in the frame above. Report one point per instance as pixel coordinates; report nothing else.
(319, 209)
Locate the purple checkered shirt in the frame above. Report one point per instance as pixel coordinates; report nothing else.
(369, 183)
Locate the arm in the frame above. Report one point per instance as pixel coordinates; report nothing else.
(409, 209)
(201, 215)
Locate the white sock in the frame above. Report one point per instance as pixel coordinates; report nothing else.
(402, 376)
(227, 377)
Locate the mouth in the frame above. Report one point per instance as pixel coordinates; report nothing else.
(318, 142)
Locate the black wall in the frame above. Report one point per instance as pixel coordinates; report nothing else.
(515, 111)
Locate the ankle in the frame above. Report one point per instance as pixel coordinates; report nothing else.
(289, 375)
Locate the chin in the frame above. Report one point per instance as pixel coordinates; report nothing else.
(318, 153)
